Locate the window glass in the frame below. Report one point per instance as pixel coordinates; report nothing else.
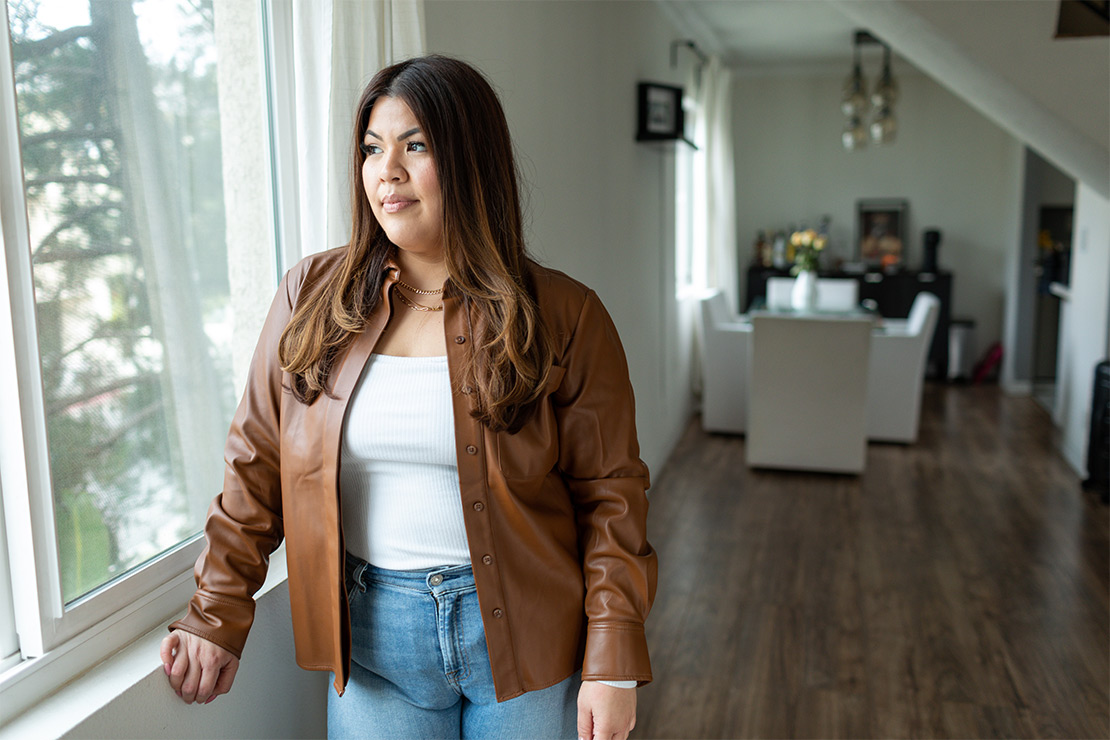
(120, 139)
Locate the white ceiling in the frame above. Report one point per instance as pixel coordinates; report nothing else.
(769, 33)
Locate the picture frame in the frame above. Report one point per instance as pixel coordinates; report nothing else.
(881, 232)
(659, 112)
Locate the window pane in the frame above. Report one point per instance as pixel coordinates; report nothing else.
(120, 139)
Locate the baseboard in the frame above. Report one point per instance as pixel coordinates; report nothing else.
(1017, 387)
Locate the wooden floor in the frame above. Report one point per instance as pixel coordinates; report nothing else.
(957, 589)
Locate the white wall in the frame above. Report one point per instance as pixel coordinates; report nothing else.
(1084, 323)
(271, 697)
(601, 205)
(959, 172)
(1068, 77)
(128, 695)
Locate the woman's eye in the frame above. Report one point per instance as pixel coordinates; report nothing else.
(417, 146)
(369, 149)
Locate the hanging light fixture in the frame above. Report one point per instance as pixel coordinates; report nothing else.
(855, 134)
(884, 125)
(854, 102)
(858, 106)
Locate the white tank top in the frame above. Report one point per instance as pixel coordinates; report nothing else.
(399, 479)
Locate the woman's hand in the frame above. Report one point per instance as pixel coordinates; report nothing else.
(605, 712)
(198, 670)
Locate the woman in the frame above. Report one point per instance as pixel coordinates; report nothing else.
(427, 364)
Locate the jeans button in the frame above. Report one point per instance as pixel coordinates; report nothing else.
(436, 579)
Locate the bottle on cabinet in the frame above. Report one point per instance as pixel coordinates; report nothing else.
(778, 252)
(761, 250)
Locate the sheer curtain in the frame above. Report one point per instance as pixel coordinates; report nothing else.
(705, 207)
(714, 186)
(338, 45)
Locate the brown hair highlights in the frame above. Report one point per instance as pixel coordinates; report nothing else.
(511, 355)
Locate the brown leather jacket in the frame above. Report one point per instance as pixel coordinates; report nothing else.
(555, 514)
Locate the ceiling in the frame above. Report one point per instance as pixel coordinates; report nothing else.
(769, 33)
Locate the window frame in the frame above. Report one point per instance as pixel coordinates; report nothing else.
(59, 642)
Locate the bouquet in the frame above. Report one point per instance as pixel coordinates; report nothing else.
(807, 248)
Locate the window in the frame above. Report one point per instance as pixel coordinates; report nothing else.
(690, 237)
(120, 312)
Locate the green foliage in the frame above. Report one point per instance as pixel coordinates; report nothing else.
(81, 525)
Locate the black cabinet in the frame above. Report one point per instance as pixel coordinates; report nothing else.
(893, 294)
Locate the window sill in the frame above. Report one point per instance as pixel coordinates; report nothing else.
(67, 707)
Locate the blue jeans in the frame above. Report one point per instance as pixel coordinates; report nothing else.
(420, 667)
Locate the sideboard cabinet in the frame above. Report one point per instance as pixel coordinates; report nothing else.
(893, 294)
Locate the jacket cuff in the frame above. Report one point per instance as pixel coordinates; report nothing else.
(218, 619)
(616, 651)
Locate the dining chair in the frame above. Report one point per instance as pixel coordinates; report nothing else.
(837, 294)
(807, 397)
(897, 372)
(726, 349)
(779, 291)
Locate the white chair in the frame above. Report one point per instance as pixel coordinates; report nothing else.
(808, 393)
(779, 290)
(897, 372)
(726, 345)
(837, 294)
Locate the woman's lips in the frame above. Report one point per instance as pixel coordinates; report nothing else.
(395, 205)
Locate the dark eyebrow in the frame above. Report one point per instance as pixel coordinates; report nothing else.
(402, 137)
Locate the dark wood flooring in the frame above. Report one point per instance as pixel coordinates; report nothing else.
(958, 588)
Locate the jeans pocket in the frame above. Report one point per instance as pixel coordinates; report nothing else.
(352, 578)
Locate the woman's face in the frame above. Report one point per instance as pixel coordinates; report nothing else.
(399, 175)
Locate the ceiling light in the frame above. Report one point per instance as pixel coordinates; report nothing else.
(858, 106)
(855, 134)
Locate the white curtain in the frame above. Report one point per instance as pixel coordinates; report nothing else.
(338, 45)
(713, 201)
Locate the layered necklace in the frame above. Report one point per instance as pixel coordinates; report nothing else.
(417, 291)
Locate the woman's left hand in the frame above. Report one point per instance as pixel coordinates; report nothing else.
(605, 712)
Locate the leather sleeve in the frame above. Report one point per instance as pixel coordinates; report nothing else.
(599, 460)
(244, 524)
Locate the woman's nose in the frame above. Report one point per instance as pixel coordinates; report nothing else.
(391, 169)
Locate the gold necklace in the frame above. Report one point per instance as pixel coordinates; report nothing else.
(417, 291)
(416, 306)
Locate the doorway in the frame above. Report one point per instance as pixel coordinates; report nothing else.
(1054, 232)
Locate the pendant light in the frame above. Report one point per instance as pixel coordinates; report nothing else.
(855, 134)
(884, 125)
(859, 107)
(854, 102)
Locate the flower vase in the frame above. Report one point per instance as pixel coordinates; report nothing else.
(804, 295)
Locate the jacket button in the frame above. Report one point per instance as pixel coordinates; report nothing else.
(467, 390)
(479, 506)
(498, 613)
(460, 339)
(487, 559)
(471, 450)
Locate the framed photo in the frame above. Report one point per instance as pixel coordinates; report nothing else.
(881, 228)
(659, 112)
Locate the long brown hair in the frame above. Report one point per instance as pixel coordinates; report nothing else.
(487, 264)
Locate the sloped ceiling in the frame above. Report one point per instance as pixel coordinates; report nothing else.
(999, 56)
(1069, 77)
